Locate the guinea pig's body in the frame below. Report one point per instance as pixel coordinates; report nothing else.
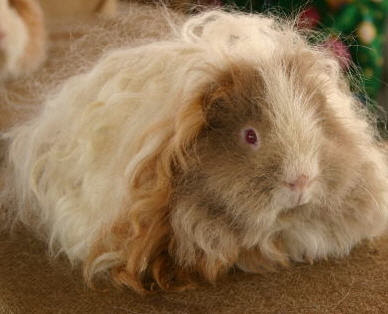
(22, 37)
(232, 143)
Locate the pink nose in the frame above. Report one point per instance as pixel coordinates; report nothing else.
(300, 183)
(2, 35)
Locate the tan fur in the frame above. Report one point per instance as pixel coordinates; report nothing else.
(55, 9)
(138, 168)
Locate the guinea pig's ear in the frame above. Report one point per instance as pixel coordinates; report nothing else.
(229, 97)
(215, 105)
(219, 96)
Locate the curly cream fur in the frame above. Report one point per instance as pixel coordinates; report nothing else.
(120, 171)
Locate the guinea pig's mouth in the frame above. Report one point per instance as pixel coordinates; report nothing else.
(286, 200)
(300, 199)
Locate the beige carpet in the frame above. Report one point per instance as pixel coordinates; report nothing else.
(30, 282)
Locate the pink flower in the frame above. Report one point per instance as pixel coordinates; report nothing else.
(340, 50)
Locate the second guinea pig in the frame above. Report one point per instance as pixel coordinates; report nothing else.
(232, 143)
(22, 37)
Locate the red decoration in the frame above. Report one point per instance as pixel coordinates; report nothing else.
(309, 18)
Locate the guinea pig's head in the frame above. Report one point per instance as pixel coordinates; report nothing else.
(280, 140)
(22, 37)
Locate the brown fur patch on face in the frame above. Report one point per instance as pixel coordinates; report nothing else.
(234, 101)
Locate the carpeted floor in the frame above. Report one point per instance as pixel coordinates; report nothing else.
(31, 282)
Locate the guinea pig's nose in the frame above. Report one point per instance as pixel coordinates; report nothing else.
(300, 183)
(2, 35)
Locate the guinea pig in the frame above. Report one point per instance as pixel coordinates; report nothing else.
(234, 142)
(22, 37)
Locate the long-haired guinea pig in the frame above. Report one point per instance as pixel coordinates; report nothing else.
(22, 37)
(235, 143)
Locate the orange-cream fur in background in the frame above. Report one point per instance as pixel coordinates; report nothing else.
(22, 37)
(223, 141)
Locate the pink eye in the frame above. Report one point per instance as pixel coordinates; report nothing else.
(250, 137)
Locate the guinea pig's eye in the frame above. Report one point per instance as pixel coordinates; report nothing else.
(250, 136)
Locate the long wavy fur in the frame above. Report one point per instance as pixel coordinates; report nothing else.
(94, 170)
